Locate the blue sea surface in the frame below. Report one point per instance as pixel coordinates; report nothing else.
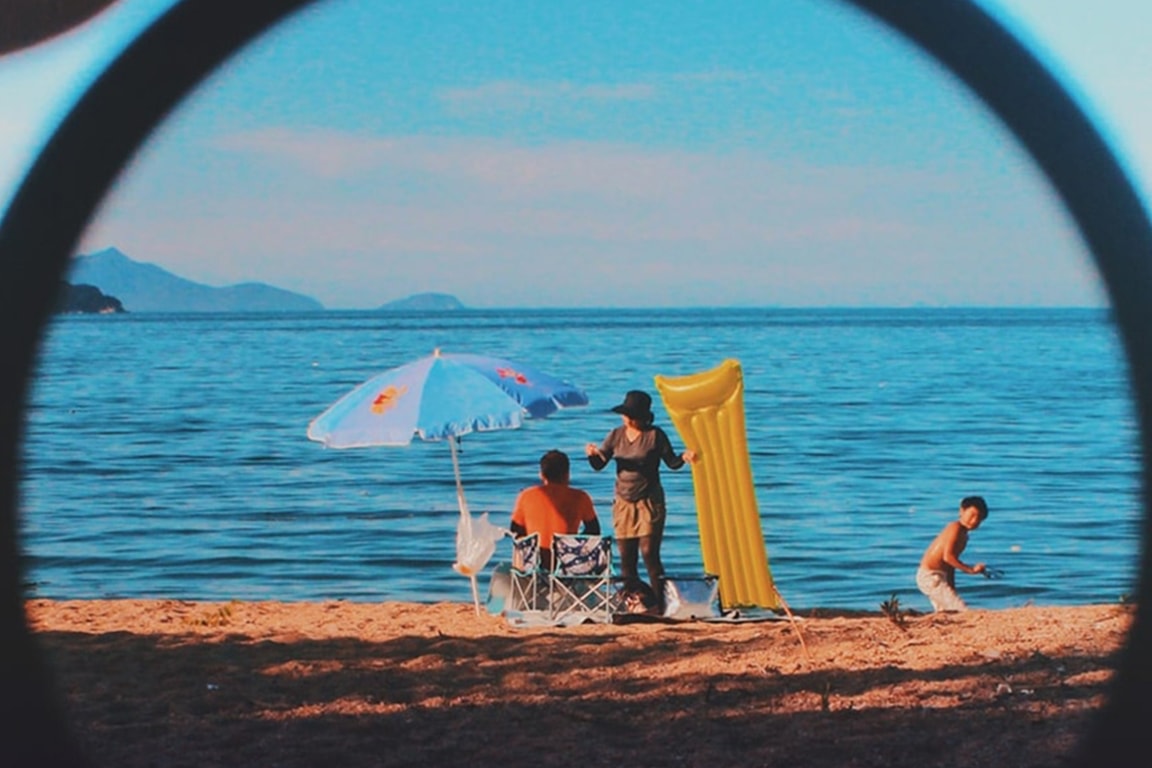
(166, 455)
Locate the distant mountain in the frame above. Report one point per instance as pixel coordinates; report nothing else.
(146, 287)
(423, 302)
(86, 300)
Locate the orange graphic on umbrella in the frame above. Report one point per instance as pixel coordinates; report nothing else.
(511, 373)
(387, 398)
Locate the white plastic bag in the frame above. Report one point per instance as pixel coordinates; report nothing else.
(475, 544)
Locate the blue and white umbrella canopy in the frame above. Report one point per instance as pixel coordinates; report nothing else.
(444, 396)
(441, 396)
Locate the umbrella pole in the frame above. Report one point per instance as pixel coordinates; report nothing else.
(464, 515)
(459, 485)
(475, 594)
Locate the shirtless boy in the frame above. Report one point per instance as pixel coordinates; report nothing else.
(936, 577)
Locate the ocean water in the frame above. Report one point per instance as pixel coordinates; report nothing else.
(166, 456)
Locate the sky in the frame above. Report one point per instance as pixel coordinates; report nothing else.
(784, 153)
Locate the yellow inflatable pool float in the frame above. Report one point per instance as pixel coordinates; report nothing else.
(707, 410)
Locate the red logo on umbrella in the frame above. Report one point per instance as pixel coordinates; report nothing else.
(510, 373)
(387, 399)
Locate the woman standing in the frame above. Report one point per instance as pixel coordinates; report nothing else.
(638, 511)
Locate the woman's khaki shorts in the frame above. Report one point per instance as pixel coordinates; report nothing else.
(633, 519)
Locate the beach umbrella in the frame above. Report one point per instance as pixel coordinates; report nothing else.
(442, 397)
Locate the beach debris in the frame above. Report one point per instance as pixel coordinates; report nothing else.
(215, 616)
(891, 609)
(792, 620)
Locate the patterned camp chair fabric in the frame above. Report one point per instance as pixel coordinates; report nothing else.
(581, 579)
(526, 553)
(529, 584)
(580, 555)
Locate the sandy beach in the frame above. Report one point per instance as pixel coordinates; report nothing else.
(175, 683)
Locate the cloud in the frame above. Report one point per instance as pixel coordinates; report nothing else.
(571, 173)
(384, 214)
(326, 154)
(720, 76)
(515, 96)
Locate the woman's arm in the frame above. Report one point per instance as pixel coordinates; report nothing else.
(600, 455)
(597, 459)
(669, 456)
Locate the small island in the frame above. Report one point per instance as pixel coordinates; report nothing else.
(83, 299)
(423, 302)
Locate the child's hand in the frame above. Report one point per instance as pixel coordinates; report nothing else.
(978, 568)
(689, 456)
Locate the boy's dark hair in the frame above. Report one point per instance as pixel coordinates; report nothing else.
(975, 501)
(554, 466)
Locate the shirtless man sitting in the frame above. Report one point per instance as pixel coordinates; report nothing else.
(553, 506)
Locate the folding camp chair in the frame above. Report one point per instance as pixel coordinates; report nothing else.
(528, 584)
(580, 584)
